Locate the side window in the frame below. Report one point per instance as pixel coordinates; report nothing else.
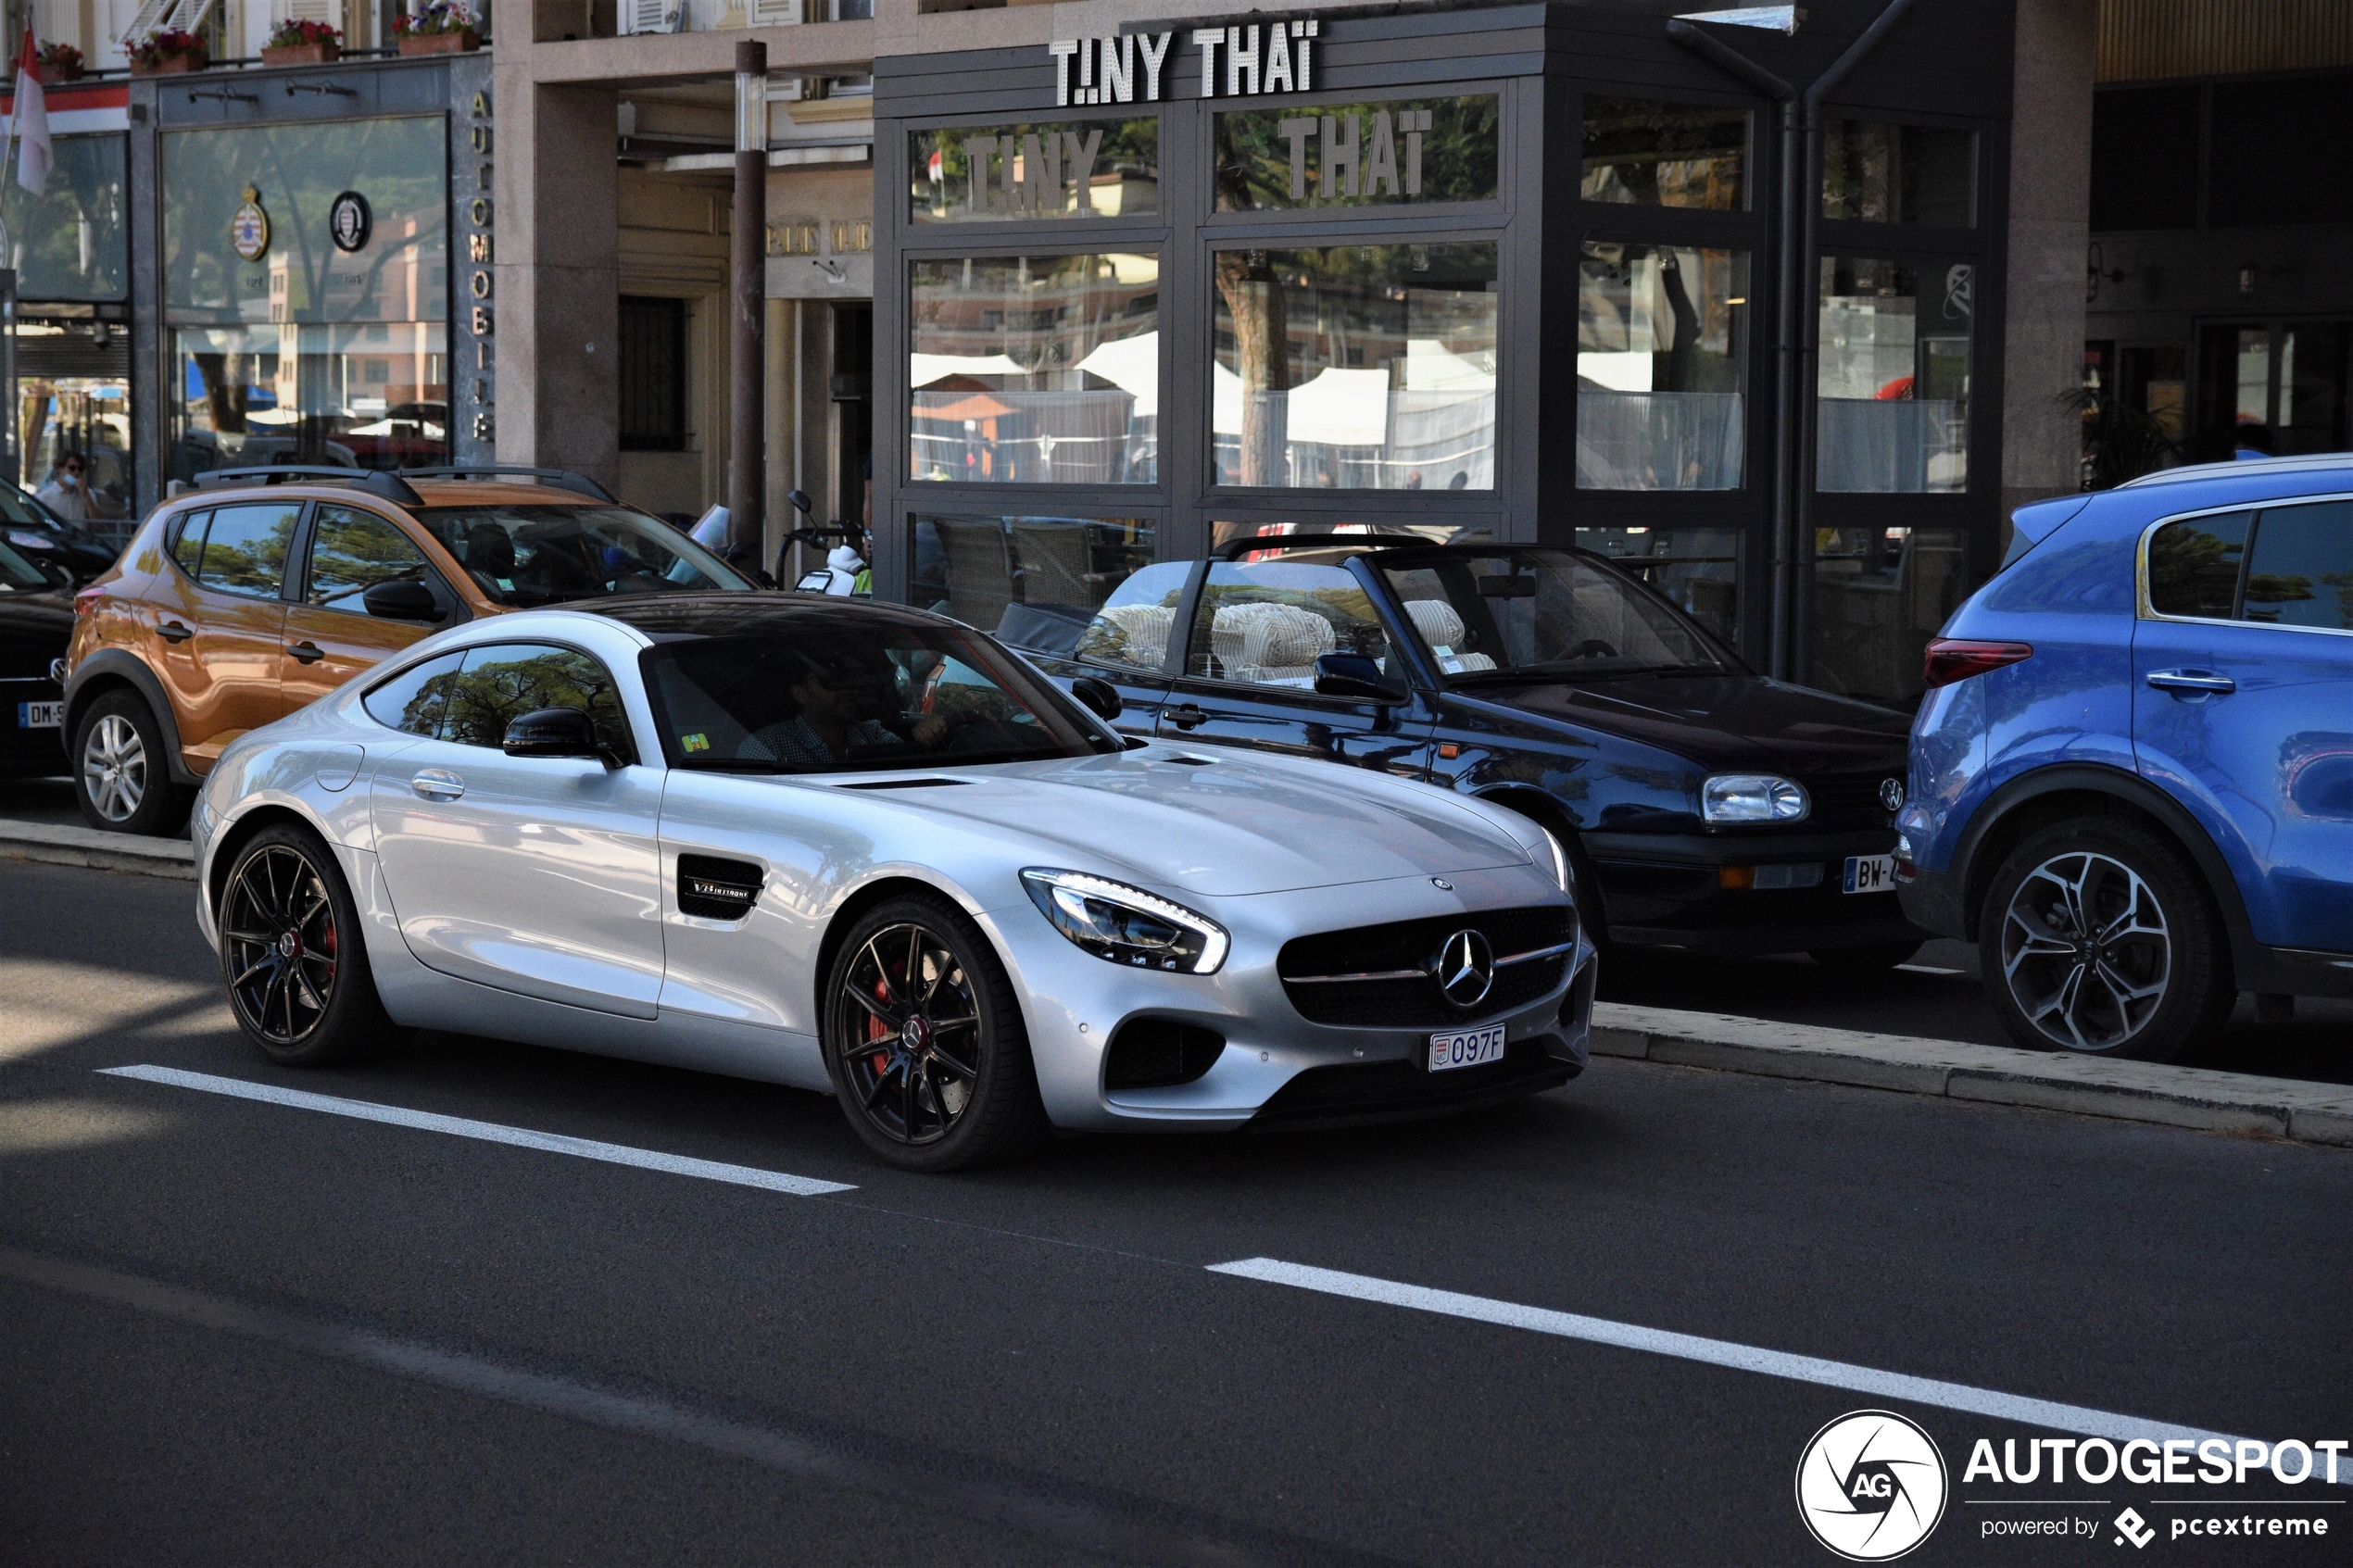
(413, 701)
(351, 551)
(1132, 628)
(2300, 571)
(187, 540)
(245, 551)
(502, 683)
(1265, 623)
(2194, 566)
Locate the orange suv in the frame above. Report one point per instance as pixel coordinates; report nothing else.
(263, 589)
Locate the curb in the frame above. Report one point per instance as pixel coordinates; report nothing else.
(63, 845)
(2130, 1091)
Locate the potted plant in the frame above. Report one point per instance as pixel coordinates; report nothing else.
(443, 27)
(303, 43)
(58, 64)
(167, 52)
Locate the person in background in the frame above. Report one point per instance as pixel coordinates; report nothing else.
(66, 494)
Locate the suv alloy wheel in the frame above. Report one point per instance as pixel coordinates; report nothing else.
(123, 769)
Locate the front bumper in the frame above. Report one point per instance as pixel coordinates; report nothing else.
(1933, 901)
(1666, 890)
(1074, 1004)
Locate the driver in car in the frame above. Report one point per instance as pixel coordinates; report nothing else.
(829, 724)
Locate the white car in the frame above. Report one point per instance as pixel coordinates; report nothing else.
(864, 850)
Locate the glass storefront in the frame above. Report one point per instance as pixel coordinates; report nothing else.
(1061, 169)
(72, 258)
(1879, 594)
(1034, 369)
(1662, 361)
(1892, 385)
(1037, 580)
(1875, 172)
(1646, 153)
(1359, 155)
(1356, 366)
(307, 294)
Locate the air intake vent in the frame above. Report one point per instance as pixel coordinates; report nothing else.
(711, 888)
(1155, 1053)
(903, 784)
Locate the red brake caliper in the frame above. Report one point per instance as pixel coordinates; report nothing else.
(874, 1029)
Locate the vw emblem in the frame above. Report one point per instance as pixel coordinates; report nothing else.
(1891, 794)
(1465, 969)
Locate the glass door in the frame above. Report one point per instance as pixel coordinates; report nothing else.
(2273, 386)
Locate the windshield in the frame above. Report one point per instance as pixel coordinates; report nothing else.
(18, 575)
(1542, 612)
(836, 694)
(537, 554)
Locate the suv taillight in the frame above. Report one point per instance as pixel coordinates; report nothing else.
(1957, 658)
(85, 603)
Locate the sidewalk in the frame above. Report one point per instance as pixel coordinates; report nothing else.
(2131, 1091)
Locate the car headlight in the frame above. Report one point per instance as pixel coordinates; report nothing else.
(1127, 926)
(1560, 863)
(1753, 798)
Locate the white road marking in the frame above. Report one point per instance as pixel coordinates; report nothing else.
(488, 1132)
(1929, 968)
(1720, 1353)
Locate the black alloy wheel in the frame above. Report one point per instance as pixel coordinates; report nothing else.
(925, 1042)
(2097, 938)
(292, 955)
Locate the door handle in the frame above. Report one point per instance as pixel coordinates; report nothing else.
(438, 784)
(2203, 681)
(1187, 716)
(307, 652)
(173, 632)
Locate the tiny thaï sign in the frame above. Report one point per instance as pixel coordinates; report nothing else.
(1249, 59)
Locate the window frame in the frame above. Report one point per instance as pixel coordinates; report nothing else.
(298, 551)
(2143, 609)
(298, 590)
(636, 741)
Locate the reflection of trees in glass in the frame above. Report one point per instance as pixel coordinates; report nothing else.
(70, 238)
(1664, 154)
(353, 552)
(486, 696)
(1128, 153)
(1459, 159)
(243, 555)
(1257, 315)
(2195, 571)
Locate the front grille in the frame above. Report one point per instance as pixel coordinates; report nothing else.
(1415, 1002)
(1381, 1091)
(1851, 794)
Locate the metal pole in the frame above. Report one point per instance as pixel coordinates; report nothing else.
(11, 457)
(747, 496)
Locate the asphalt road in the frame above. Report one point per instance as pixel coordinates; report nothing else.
(1937, 997)
(244, 1333)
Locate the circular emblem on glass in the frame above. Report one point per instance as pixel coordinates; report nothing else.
(348, 220)
(1870, 1486)
(1465, 969)
(249, 229)
(1891, 794)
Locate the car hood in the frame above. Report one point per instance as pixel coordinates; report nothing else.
(1227, 828)
(1720, 722)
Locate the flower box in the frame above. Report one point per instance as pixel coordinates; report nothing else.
(172, 64)
(461, 42)
(325, 54)
(57, 76)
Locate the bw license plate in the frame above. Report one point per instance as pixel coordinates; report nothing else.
(1466, 1047)
(40, 715)
(1869, 874)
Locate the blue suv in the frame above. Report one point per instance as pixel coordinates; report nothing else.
(2132, 781)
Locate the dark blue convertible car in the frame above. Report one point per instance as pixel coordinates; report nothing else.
(1706, 806)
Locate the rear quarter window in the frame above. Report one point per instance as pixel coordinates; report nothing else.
(184, 537)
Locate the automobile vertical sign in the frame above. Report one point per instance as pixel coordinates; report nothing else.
(473, 376)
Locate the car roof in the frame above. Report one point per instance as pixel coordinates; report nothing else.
(681, 617)
(432, 493)
(2249, 468)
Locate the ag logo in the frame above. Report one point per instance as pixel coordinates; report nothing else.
(1870, 1486)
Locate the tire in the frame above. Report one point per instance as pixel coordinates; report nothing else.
(1874, 959)
(2097, 938)
(123, 769)
(965, 1094)
(292, 956)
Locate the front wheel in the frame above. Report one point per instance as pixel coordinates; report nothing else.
(2097, 936)
(123, 770)
(924, 1042)
(292, 956)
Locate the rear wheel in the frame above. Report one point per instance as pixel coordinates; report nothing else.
(924, 1042)
(2097, 938)
(291, 953)
(124, 769)
(1873, 959)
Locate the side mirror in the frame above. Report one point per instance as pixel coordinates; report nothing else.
(1100, 697)
(1354, 676)
(800, 500)
(552, 732)
(403, 598)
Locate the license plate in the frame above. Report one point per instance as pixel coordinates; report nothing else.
(40, 715)
(1466, 1047)
(1869, 874)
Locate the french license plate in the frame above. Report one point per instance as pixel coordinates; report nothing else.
(1466, 1047)
(1869, 874)
(40, 715)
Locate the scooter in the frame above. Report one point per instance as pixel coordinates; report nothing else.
(843, 563)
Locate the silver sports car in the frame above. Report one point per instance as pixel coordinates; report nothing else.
(864, 850)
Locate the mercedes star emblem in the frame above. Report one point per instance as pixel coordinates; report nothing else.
(1465, 969)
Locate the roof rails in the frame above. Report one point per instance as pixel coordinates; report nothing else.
(561, 479)
(376, 481)
(2305, 463)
